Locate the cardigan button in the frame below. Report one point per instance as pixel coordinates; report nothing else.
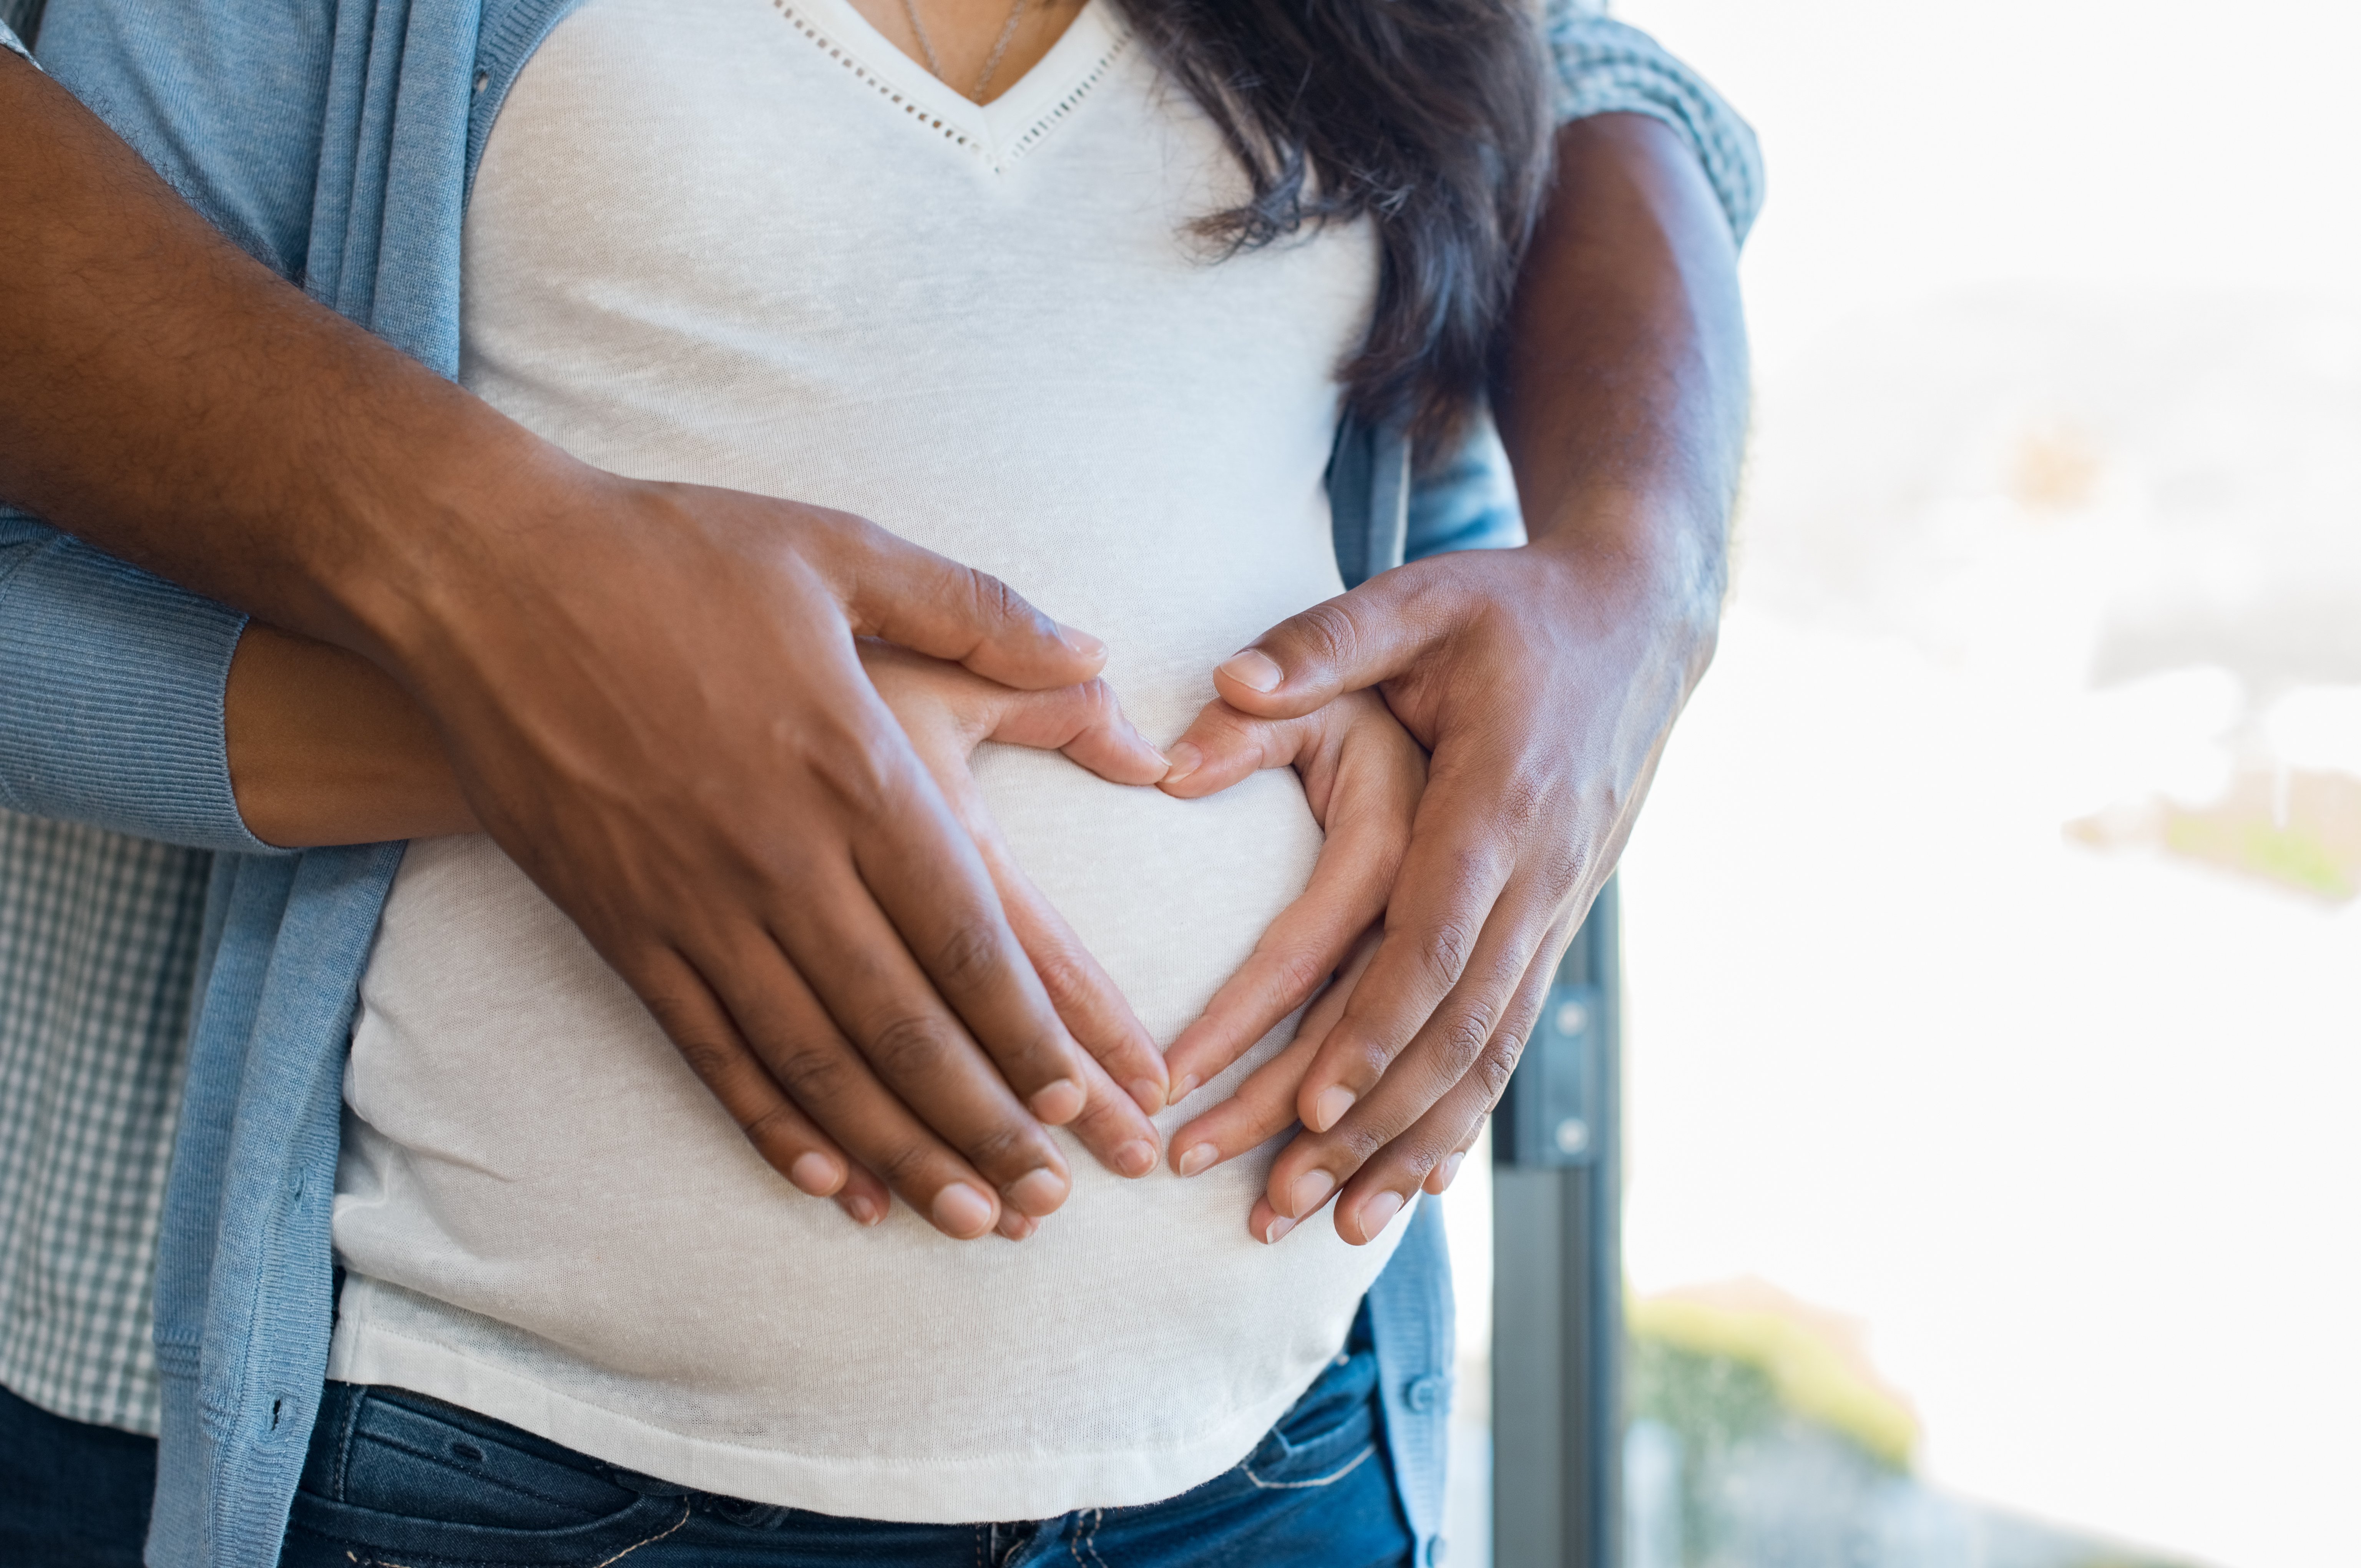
(1427, 1392)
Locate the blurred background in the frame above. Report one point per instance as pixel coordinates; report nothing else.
(1992, 941)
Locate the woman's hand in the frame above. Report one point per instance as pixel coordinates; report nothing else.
(1362, 776)
(1265, 1105)
(948, 711)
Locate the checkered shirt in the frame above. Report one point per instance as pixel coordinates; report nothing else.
(98, 945)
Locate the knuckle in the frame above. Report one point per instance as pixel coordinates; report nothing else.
(1064, 974)
(1005, 1146)
(1356, 1144)
(969, 955)
(813, 1077)
(908, 1047)
(1297, 972)
(904, 1167)
(1327, 632)
(778, 1124)
(1445, 951)
(1372, 1061)
(997, 604)
(1098, 702)
(857, 776)
(1463, 1039)
(713, 1062)
(1494, 1068)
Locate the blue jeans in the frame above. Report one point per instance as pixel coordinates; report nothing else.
(397, 1478)
(71, 1495)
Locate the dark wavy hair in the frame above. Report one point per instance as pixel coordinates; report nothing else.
(1428, 116)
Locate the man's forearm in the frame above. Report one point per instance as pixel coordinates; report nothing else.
(171, 400)
(1623, 387)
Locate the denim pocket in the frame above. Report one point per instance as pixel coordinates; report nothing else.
(395, 1478)
(1330, 1432)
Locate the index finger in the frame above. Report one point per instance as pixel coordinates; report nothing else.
(1349, 888)
(1452, 877)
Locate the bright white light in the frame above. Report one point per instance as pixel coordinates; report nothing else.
(2317, 726)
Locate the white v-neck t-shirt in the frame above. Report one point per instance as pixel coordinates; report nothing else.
(749, 242)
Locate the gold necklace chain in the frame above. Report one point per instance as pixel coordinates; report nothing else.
(991, 64)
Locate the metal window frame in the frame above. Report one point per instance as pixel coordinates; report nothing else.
(1557, 1286)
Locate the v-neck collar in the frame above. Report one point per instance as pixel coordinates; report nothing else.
(999, 132)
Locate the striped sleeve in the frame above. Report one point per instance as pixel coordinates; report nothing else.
(111, 685)
(1605, 67)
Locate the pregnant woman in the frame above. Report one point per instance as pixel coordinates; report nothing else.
(1058, 335)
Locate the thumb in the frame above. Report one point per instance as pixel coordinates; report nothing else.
(894, 590)
(1356, 639)
(1224, 746)
(1087, 724)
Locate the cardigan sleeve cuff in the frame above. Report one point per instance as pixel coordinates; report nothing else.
(111, 684)
(1605, 67)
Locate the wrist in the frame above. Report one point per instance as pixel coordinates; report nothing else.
(436, 511)
(324, 749)
(1646, 571)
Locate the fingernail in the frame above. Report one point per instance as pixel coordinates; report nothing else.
(1137, 1157)
(961, 1211)
(1200, 1157)
(1451, 1171)
(1016, 1226)
(1058, 1102)
(1182, 759)
(864, 1209)
(1379, 1211)
(1081, 642)
(1148, 1095)
(1182, 1089)
(1311, 1190)
(1252, 669)
(1280, 1225)
(816, 1173)
(1331, 1106)
(1037, 1191)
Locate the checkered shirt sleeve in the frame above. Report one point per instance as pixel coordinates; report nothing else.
(1604, 67)
(98, 937)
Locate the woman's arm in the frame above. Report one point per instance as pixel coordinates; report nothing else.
(325, 749)
(1544, 679)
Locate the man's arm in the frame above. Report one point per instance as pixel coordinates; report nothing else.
(650, 692)
(1544, 679)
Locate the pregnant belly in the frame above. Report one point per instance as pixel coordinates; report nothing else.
(535, 1182)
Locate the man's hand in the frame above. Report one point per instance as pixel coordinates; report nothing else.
(1544, 679)
(656, 705)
